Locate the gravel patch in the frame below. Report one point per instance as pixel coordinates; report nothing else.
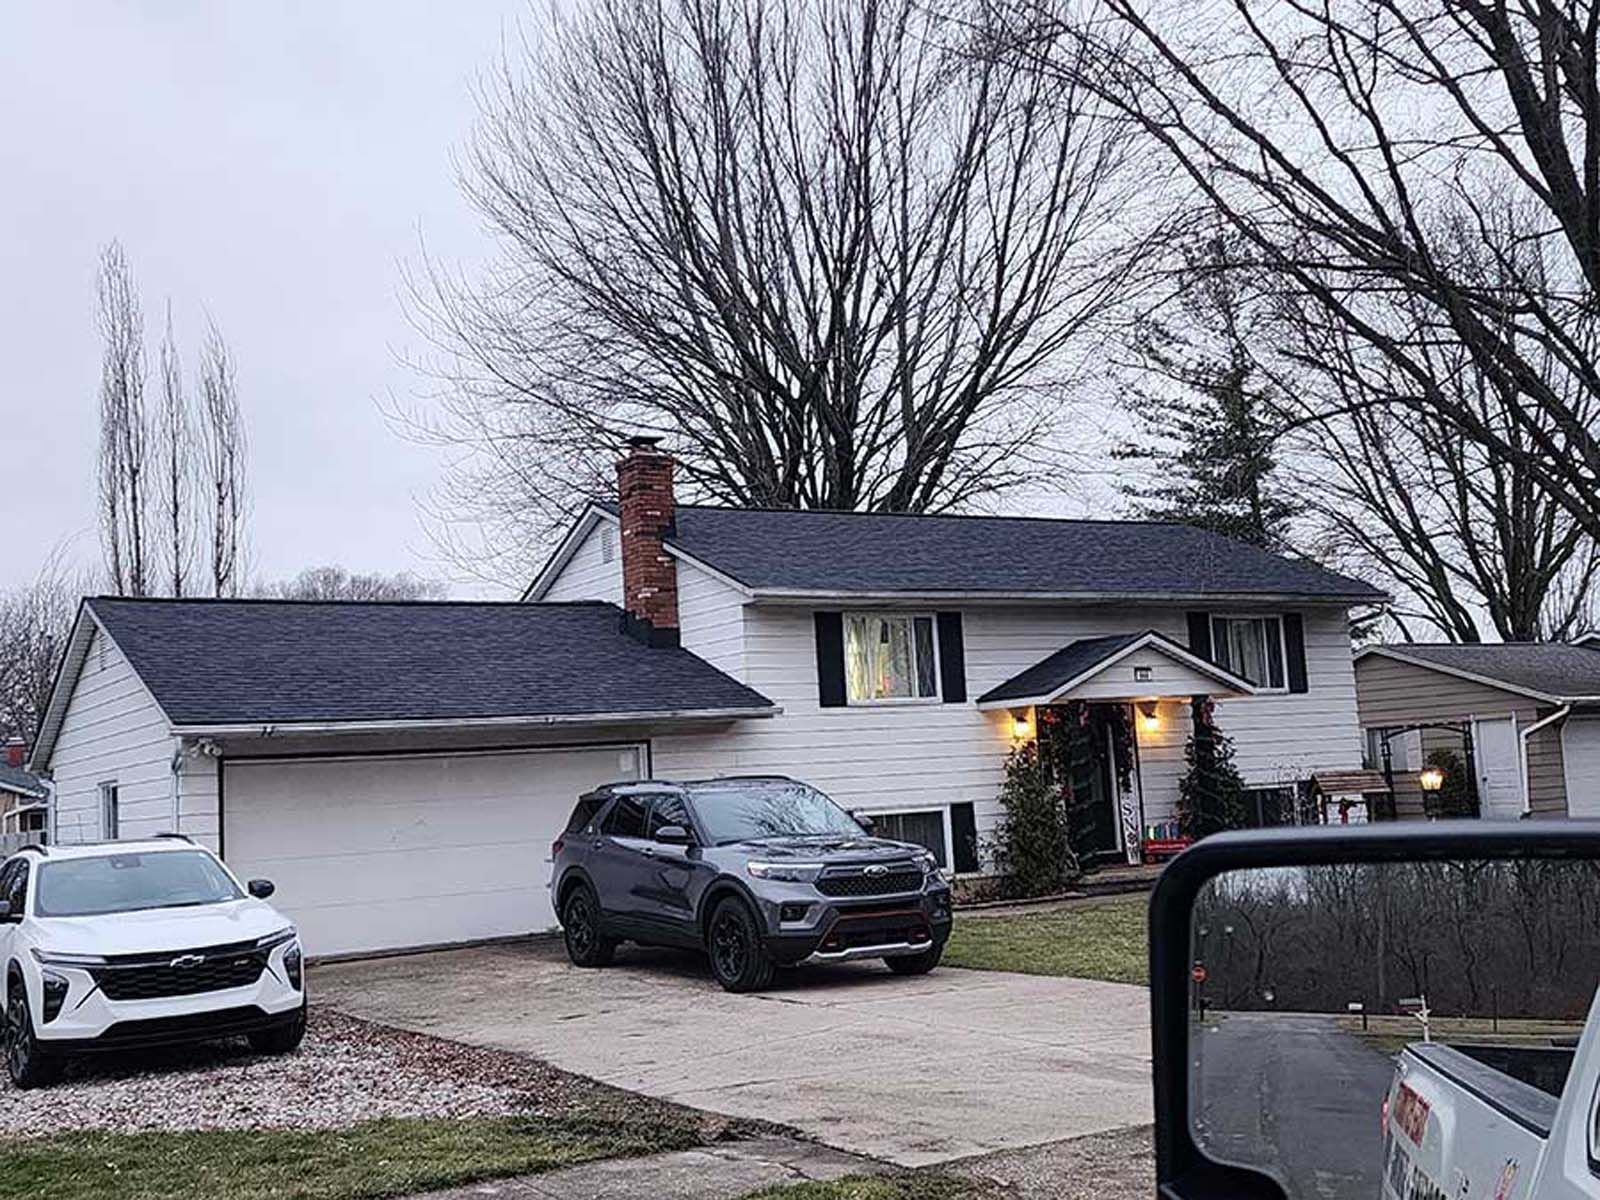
(346, 1071)
(1120, 1165)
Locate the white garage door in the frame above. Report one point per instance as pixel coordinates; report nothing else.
(1580, 748)
(378, 853)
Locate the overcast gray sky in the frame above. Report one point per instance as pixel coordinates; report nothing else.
(274, 165)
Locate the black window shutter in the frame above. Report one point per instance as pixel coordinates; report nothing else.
(952, 659)
(1200, 634)
(964, 832)
(1294, 641)
(830, 659)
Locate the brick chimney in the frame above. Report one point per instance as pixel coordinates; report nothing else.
(649, 575)
(16, 752)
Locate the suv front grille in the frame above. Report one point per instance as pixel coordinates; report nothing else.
(175, 973)
(855, 881)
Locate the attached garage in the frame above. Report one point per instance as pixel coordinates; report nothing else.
(398, 770)
(386, 851)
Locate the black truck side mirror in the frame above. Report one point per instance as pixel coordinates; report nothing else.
(1327, 1005)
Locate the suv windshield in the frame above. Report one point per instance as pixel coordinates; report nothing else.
(108, 883)
(780, 808)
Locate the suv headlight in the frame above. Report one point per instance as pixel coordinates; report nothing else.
(928, 863)
(67, 960)
(784, 872)
(277, 939)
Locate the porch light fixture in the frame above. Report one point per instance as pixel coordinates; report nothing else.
(1431, 778)
(1149, 717)
(1021, 724)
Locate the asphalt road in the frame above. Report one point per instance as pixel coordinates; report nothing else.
(1295, 1095)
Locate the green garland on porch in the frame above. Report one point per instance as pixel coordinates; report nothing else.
(1072, 740)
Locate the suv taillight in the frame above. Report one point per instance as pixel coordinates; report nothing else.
(555, 846)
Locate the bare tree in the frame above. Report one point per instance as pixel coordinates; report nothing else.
(1391, 161)
(222, 454)
(337, 583)
(835, 258)
(122, 466)
(1460, 532)
(35, 621)
(175, 448)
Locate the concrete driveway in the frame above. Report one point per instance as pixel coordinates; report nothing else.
(914, 1071)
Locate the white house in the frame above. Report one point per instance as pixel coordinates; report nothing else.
(24, 798)
(399, 770)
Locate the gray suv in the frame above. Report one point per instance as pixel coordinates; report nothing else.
(759, 872)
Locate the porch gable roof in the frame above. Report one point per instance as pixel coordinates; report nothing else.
(1052, 678)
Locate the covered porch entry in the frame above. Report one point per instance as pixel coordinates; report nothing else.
(1111, 717)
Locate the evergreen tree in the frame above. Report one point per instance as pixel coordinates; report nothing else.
(1211, 792)
(1204, 412)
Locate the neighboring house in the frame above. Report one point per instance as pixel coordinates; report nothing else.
(1533, 712)
(24, 797)
(400, 769)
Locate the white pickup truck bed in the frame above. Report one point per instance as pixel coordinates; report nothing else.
(1471, 1122)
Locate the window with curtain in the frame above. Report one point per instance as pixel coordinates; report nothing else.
(889, 656)
(1251, 647)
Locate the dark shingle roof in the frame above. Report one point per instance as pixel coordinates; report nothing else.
(1550, 668)
(21, 783)
(1048, 675)
(816, 551)
(223, 661)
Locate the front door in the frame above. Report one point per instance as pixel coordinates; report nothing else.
(1083, 741)
(1497, 753)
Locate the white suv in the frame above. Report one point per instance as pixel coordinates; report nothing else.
(126, 944)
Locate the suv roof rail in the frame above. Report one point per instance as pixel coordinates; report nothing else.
(44, 851)
(176, 837)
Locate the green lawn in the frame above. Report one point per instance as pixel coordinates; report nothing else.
(879, 1187)
(378, 1158)
(1097, 940)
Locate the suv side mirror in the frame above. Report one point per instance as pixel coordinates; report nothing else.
(674, 835)
(260, 888)
(864, 820)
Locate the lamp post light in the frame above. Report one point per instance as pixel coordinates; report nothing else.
(1431, 778)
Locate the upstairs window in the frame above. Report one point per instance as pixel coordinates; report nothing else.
(889, 657)
(1251, 647)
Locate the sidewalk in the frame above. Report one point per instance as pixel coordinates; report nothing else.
(724, 1171)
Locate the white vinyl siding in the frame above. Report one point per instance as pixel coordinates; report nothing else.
(591, 574)
(711, 619)
(113, 730)
(907, 756)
